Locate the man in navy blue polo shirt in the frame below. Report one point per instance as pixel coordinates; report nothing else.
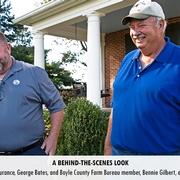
(24, 88)
(145, 117)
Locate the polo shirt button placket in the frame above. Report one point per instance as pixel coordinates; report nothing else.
(139, 68)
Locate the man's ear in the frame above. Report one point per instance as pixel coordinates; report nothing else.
(8, 46)
(161, 25)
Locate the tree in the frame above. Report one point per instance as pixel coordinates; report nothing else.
(22, 49)
(23, 53)
(69, 56)
(6, 24)
(16, 34)
(58, 75)
(23, 36)
(73, 57)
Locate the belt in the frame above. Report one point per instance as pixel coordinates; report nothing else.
(20, 151)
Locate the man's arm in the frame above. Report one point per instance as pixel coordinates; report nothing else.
(107, 145)
(51, 142)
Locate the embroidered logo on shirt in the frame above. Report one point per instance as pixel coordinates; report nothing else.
(16, 82)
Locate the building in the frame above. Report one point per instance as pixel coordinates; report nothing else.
(99, 23)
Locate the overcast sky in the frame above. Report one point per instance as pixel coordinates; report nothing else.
(21, 7)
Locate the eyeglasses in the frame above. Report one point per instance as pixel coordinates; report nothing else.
(1, 91)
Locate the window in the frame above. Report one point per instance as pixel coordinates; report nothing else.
(173, 32)
(129, 45)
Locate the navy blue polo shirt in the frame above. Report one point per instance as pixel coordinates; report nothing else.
(146, 103)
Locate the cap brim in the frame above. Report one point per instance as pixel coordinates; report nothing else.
(126, 19)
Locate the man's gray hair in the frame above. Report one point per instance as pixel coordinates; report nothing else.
(157, 19)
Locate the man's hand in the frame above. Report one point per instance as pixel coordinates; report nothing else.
(49, 144)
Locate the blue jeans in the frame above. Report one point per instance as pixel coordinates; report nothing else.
(122, 152)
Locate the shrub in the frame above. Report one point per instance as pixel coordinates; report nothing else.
(84, 129)
(67, 95)
(46, 116)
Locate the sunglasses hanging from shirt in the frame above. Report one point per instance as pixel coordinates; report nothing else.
(1, 91)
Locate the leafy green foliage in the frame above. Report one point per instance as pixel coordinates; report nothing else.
(67, 95)
(21, 40)
(15, 33)
(6, 24)
(5, 7)
(23, 53)
(46, 115)
(74, 49)
(23, 36)
(58, 75)
(84, 129)
(72, 57)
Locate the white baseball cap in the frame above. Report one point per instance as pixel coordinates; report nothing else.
(144, 9)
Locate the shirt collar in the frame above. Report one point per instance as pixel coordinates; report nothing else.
(136, 55)
(15, 66)
(163, 56)
(166, 52)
